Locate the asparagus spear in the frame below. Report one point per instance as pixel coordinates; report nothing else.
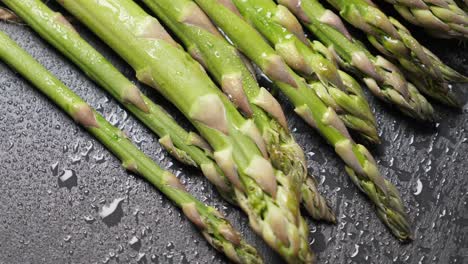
(392, 39)
(361, 167)
(263, 192)
(217, 230)
(443, 18)
(187, 147)
(223, 61)
(382, 77)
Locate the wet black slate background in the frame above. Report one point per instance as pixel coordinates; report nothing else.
(45, 221)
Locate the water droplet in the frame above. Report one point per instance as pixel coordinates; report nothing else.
(419, 187)
(154, 258)
(68, 179)
(170, 246)
(356, 251)
(99, 158)
(120, 249)
(54, 168)
(141, 258)
(76, 160)
(112, 213)
(135, 243)
(89, 219)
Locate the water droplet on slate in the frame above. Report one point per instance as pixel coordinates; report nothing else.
(89, 219)
(67, 238)
(112, 213)
(419, 187)
(141, 258)
(154, 258)
(68, 179)
(135, 243)
(356, 251)
(170, 246)
(54, 168)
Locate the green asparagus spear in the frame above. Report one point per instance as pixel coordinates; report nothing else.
(442, 18)
(341, 92)
(314, 203)
(393, 40)
(382, 78)
(187, 147)
(223, 61)
(263, 192)
(217, 230)
(360, 165)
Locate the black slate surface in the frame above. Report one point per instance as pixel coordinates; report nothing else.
(45, 220)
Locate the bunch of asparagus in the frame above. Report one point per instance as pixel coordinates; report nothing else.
(383, 78)
(232, 73)
(247, 150)
(187, 147)
(310, 59)
(217, 230)
(393, 40)
(443, 19)
(361, 166)
(265, 193)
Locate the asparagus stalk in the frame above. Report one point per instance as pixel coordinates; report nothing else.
(361, 167)
(393, 40)
(187, 147)
(383, 78)
(341, 92)
(224, 62)
(444, 19)
(263, 192)
(217, 230)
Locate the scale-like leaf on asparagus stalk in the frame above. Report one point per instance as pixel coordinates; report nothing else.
(395, 41)
(217, 230)
(281, 28)
(262, 191)
(360, 164)
(7, 15)
(224, 62)
(382, 77)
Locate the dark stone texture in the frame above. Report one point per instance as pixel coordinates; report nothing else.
(43, 220)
